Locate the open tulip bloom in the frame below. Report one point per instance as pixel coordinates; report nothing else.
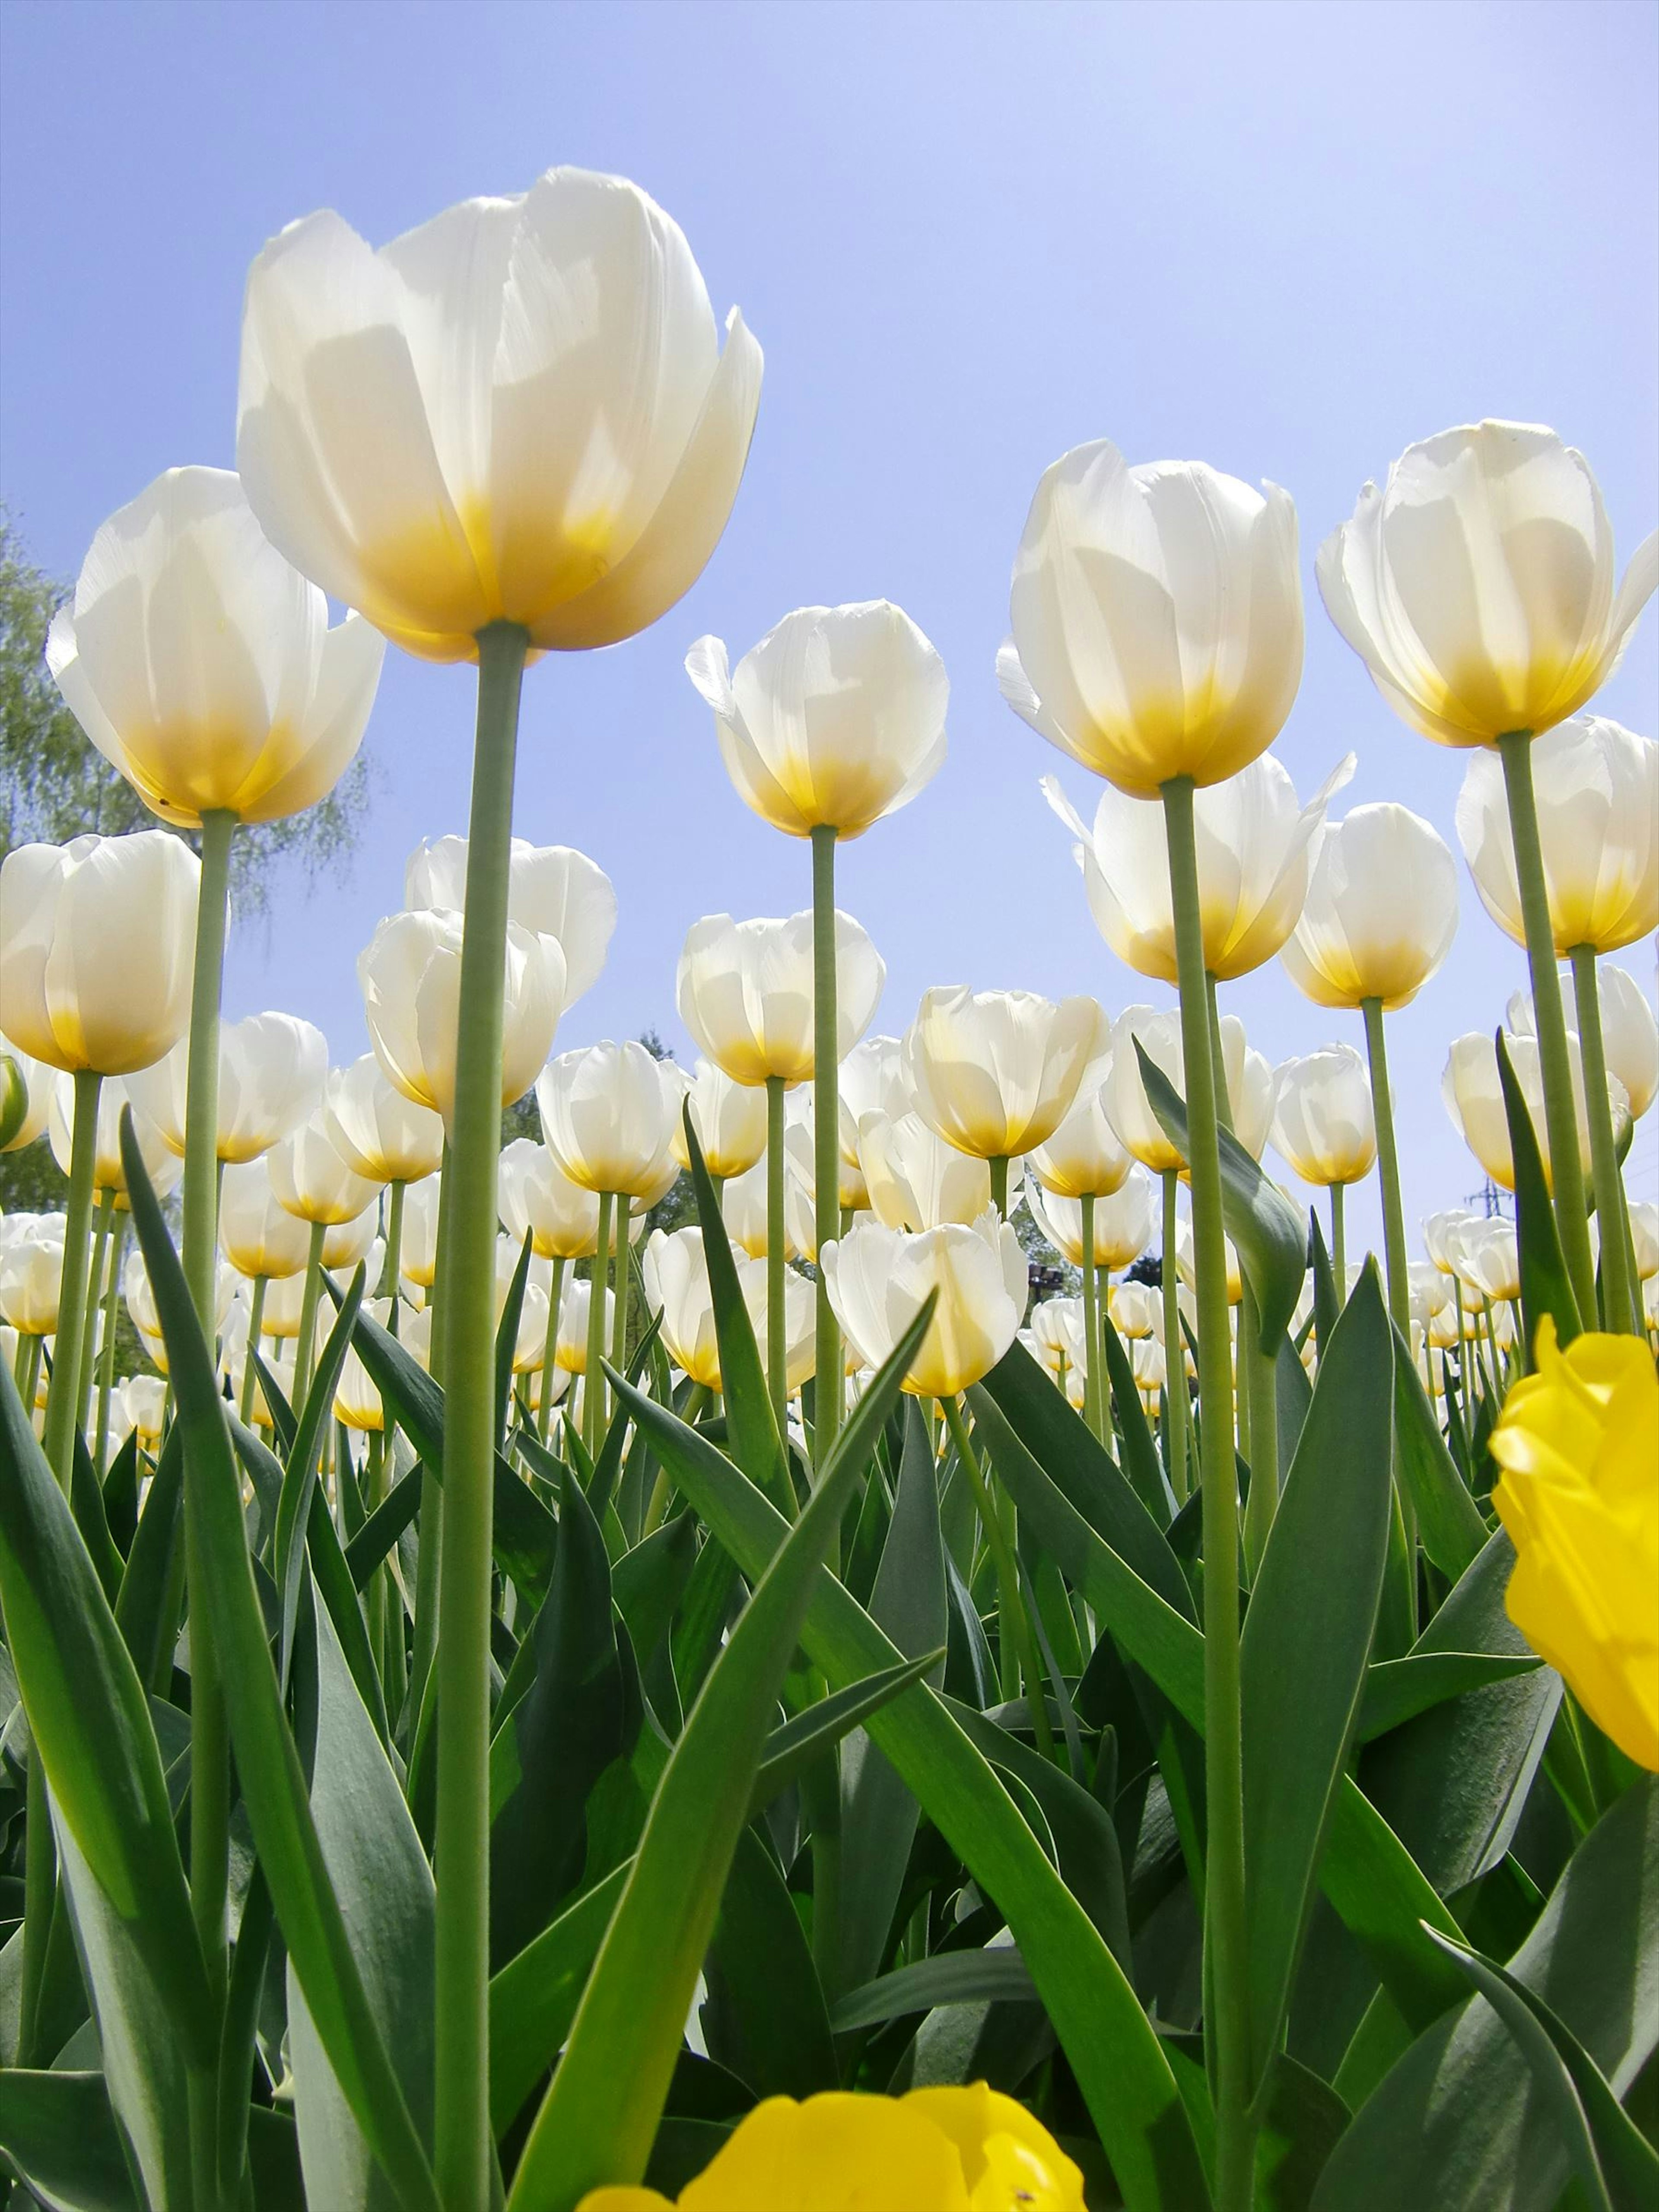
(865, 1649)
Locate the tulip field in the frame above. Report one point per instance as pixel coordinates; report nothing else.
(521, 1699)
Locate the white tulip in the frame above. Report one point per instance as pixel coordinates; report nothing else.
(1645, 1236)
(1474, 1098)
(1245, 1071)
(916, 1180)
(878, 1279)
(378, 1132)
(535, 1198)
(729, 1118)
(571, 1352)
(418, 1259)
(995, 1072)
(272, 1068)
(607, 1116)
(256, 1235)
(1630, 1030)
(31, 1276)
(312, 1180)
(411, 977)
(552, 891)
(1486, 1257)
(1323, 1124)
(346, 1243)
(1057, 1337)
(1381, 910)
(744, 991)
(109, 1172)
(1440, 1237)
(743, 1209)
(517, 413)
(1188, 1272)
(676, 1273)
(1123, 1222)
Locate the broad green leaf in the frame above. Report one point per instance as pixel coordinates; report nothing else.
(380, 1533)
(1447, 1519)
(121, 1495)
(267, 1762)
(1458, 2122)
(534, 1999)
(1397, 1690)
(597, 2122)
(648, 1581)
(1385, 1901)
(1303, 2119)
(507, 1339)
(1266, 1229)
(1121, 2070)
(1140, 1461)
(765, 2017)
(1545, 1285)
(792, 1748)
(59, 2133)
(87, 1503)
(1306, 1639)
(147, 1610)
(1326, 1299)
(998, 1976)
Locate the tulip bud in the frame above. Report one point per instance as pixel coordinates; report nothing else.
(995, 1074)
(607, 1115)
(26, 1092)
(1381, 910)
(744, 991)
(1323, 1124)
(552, 891)
(411, 977)
(878, 1279)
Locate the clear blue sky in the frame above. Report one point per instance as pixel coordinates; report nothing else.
(1283, 239)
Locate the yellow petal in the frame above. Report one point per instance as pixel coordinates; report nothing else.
(835, 2153)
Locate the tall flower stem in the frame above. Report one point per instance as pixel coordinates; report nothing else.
(593, 1375)
(106, 1361)
(255, 1322)
(1339, 1241)
(550, 1348)
(1092, 1375)
(392, 1274)
(201, 1183)
(63, 1397)
(1561, 1115)
(826, 1133)
(777, 1366)
(1620, 1316)
(1227, 2012)
(622, 1219)
(1388, 1171)
(1000, 1186)
(102, 1219)
(309, 1298)
(1174, 1354)
(462, 2154)
(1015, 1619)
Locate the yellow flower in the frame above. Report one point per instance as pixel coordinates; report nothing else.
(935, 2150)
(1578, 1442)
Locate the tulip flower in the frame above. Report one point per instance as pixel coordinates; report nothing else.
(552, 891)
(1057, 1337)
(1629, 1031)
(1122, 1223)
(606, 1114)
(745, 1212)
(872, 1080)
(1084, 1156)
(411, 977)
(1187, 1267)
(109, 1178)
(1578, 1443)
(1474, 1098)
(915, 1180)
(995, 1072)
(745, 990)
(730, 1120)
(419, 1260)
(540, 1202)
(31, 1276)
(258, 1234)
(1645, 1238)
(1157, 618)
(272, 1069)
(1324, 1128)
(852, 1193)
(676, 1275)
(1254, 847)
(1134, 1310)
(379, 1133)
(1487, 1258)
(27, 1085)
(879, 1277)
(575, 1324)
(312, 1180)
(346, 1243)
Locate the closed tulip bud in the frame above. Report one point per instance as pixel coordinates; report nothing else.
(552, 891)
(729, 1118)
(356, 1400)
(571, 1352)
(1487, 1258)
(1630, 1032)
(1475, 1099)
(1322, 1122)
(744, 991)
(377, 1132)
(1123, 1222)
(272, 1068)
(535, 1198)
(143, 1408)
(202, 665)
(915, 1180)
(1477, 585)
(1597, 788)
(607, 1115)
(1578, 1443)
(1254, 847)
(1381, 910)
(31, 1275)
(834, 719)
(1056, 1336)
(346, 1243)
(1645, 1236)
(1157, 618)
(744, 1212)
(878, 1279)
(109, 1172)
(540, 426)
(411, 977)
(96, 942)
(995, 1072)
(256, 1235)
(27, 1085)
(871, 1080)
(1085, 1157)
(417, 1257)
(851, 1191)
(1190, 1273)
(313, 1181)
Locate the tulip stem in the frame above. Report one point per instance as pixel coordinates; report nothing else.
(999, 1167)
(27, 1370)
(550, 1348)
(201, 1184)
(1015, 1620)
(1619, 1306)
(777, 1365)
(104, 1216)
(309, 1298)
(255, 1322)
(107, 1360)
(1387, 1170)
(621, 1217)
(64, 1395)
(1091, 1319)
(1227, 2023)
(392, 1273)
(826, 1135)
(463, 2158)
(1339, 1243)
(593, 1374)
(1560, 1115)
(1174, 1355)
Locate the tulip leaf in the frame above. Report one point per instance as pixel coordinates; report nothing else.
(375, 1539)
(1140, 1461)
(1447, 1519)
(147, 1609)
(765, 2017)
(598, 2120)
(1266, 1229)
(533, 1998)
(1397, 1690)
(997, 1975)
(299, 1477)
(506, 1338)
(267, 1761)
(60, 2135)
(121, 1495)
(1328, 1293)
(1123, 2075)
(1545, 1285)
(87, 1503)
(1305, 1643)
(792, 1748)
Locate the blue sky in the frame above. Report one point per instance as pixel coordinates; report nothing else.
(1286, 239)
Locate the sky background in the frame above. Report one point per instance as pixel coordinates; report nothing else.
(1285, 239)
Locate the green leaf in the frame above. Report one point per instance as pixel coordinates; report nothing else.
(1123, 2073)
(395, 1512)
(507, 1339)
(59, 2133)
(121, 1495)
(998, 1976)
(1303, 1652)
(1397, 1690)
(147, 1610)
(1384, 1900)
(1458, 2122)
(597, 2120)
(1545, 1285)
(1326, 1299)
(534, 1999)
(1448, 1520)
(267, 1762)
(765, 2018)
(1140, 1461)
(87, 1503)
(794, 1746)
(1266, 1229)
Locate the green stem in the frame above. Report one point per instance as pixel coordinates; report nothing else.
(549, 1349)
(1620, 1316)
(308, 1302)
(1092, 1375)
(619, 1284)
(593, 1377)
(1227, 2020)
(777, 1374)
(826, 1136)
(1000, 1186)
(96, 1293)
(1175, 1356)
(1560, 1115)
(256, 1322)
(463, 2156)
(201, 1183)
(1387, 1170)
(1014, 1611)
(64, 1395)
(30, 1351)
(1339, 1242)
(392, 1273)
(107, 1362)
(1261, 1367)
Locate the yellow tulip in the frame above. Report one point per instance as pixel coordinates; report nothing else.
(1578, 1442)
(934, 2150)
